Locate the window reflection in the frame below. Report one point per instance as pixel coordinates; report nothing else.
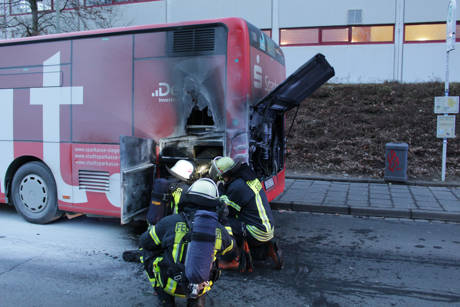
(371, 34)
(425, 32)
(23, 6)
(299, 36)
(334, 35)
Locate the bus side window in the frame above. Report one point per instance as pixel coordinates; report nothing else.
(262, 40)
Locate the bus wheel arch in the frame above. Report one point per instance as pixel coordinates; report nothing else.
(12, 169)
(32, 191)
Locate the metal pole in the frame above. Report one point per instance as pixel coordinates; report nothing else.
(275, 22)
(57, 7)
(451, 23)
(444, 141)
(4, 31)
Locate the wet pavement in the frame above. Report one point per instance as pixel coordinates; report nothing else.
(429, 201)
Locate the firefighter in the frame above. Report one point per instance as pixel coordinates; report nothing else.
(179, 252)
(250, 215)
(165, 198)
(167, 192)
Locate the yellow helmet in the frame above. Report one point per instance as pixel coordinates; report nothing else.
(220, 166)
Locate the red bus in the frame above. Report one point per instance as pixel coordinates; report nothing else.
(88, 119)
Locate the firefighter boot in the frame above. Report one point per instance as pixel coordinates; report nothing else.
(229, 265)
(230, 261)
(132, 255)
(164, 298)
(196, 302)
(246, 264)
(276, 254)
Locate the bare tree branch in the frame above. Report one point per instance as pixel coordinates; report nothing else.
(36, 17)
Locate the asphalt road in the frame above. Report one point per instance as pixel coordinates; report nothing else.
(330, 261)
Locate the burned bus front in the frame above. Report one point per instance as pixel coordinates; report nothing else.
(195, 90)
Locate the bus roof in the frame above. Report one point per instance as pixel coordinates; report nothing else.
(119, 30)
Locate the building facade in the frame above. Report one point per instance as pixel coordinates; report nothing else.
(367, 41)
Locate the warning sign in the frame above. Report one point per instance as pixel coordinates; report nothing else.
(445, 104)
(446, 126)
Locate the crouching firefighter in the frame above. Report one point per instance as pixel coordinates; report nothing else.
(166, 193)
(250, 215)
(165, 197)
(179, 252)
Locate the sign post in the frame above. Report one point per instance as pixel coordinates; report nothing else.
(450, 42)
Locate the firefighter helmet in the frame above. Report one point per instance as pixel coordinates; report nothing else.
(182, 170)
(204, 187)
(220, 166)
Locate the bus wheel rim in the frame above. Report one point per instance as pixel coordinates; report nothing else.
(33, 193)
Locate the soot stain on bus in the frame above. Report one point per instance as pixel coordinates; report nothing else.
(200, 107)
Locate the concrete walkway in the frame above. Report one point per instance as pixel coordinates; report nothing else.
(371, 198)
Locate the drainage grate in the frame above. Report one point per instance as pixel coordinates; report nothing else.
(95, 181)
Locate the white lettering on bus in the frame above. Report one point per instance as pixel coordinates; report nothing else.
(51, 97)
(6, 134)
(162, 90)
(257, 73)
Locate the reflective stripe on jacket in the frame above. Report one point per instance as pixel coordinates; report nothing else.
(168, 237)
(248, 203)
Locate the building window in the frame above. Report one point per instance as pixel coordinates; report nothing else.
(425, 32)
(337, 35)
(90, 3)
(429, 32)
(97, 2)
(292, 37)
(372, 34)
(2, 8)
(23, 6)
(267, 32)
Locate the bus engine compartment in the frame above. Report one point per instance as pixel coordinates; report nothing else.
(267, 141)
(262, 142)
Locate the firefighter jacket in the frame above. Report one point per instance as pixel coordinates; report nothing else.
(248, 203)
(165, 198)
(165, 248)
(176, 190)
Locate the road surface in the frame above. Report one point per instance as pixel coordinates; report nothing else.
(330, 261)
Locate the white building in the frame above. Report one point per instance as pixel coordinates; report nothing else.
(367, 41)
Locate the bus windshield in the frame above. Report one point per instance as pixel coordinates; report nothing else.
(261, 41)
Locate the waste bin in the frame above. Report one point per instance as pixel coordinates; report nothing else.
(396, 162)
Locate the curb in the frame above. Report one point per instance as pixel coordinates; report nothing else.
(433, 215)
(381, 212)
(373, 180)
(368, 211)
(334, 209)
(304, 207)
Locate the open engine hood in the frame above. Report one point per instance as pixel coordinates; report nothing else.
(298, 86)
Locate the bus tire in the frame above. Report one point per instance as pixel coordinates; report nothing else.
(34, 194)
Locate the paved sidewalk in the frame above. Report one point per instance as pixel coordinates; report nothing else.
(371, 199)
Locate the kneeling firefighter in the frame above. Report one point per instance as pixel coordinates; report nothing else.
(250, 215)
(179, 252)
(165, 197)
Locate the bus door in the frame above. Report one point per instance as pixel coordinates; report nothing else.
(137, 168)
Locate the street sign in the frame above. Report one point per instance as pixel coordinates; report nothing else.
(445, 127)
(445, 104)
(451, 25)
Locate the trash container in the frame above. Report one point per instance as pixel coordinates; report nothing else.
(396, 162)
